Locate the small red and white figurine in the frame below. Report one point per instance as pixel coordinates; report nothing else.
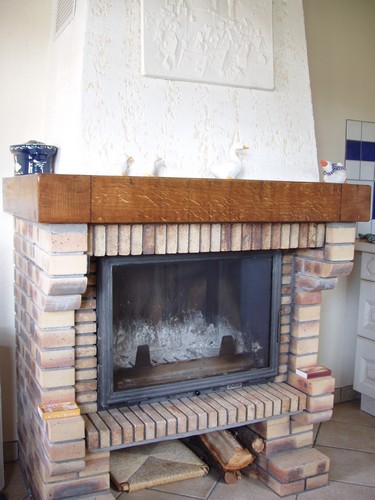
(333, 172)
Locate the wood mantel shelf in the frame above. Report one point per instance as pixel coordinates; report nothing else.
(56, 198)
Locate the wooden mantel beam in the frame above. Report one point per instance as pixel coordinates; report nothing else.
(56, 198)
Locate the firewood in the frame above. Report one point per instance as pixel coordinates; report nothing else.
(250, 439)
(226, 450)
(231, 477)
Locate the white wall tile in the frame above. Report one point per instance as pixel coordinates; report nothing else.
(368, 131)
(352, 169)
(367, 171)
(353, 130)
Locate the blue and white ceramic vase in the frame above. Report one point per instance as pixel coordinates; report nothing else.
(33, 157)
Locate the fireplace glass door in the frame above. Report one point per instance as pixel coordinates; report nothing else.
(183, 324)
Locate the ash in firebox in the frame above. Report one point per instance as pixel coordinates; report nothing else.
(178, 340)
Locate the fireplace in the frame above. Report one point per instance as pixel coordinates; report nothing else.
(63, 223)
(179, 325)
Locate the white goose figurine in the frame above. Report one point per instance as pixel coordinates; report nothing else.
(230, 169)
(145, 171)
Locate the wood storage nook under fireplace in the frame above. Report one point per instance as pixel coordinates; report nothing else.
(189, 252)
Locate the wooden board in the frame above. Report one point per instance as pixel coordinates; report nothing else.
(129, 200)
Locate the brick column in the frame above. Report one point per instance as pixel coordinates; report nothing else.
(289, 464)
(50, 267)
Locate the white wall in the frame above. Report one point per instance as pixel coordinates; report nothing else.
(118, 112)
(24, 37)
(341, 45)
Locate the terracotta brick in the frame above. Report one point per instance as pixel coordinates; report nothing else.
(65, 429)
(291, 442)
(53, 338)
(320, 403)
(76, 488)
(299, 464)
(225, 237)
(256, 240)
(323, 269)
(316, 482)
(279, 488)
(312, 387)
(307, 298)
(313, 283)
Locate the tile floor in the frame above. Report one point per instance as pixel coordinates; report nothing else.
(348, 439)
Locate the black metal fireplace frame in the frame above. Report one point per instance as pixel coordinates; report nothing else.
(107, 397)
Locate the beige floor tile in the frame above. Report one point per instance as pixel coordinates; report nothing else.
(148, 495)
(15, 488)
(351, 466)
(351, 413)
(339, 491)
(245, 489)
(340, 435)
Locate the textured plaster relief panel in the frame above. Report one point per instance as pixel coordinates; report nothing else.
(226, 42)
(193, 125)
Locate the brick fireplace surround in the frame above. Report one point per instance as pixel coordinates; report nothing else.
(60, 221)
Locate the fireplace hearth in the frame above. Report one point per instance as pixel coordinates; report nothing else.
(63, 222)
(183, 324)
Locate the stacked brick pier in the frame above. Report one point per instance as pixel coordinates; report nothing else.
(56, 340)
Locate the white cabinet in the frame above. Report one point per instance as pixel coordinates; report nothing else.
(364, 374)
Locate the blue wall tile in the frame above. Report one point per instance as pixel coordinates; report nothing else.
(353, 150)
(368, 151)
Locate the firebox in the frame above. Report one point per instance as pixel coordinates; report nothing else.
(185, 324)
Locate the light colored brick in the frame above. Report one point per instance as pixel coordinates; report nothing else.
(279, 488)
(303, 346)
(160, 239)
(305, 329)
(339, 252)
(124, 239)
(215, 237)
(323, 269)
(298, 361)
(61, 264)
(65, 429)
(48, 379)
(172, 239)
(306, 313)
(112, 239)
(194, 238)
(316, 481)
(307, 418)
(340, 234)
(136, 239)
(273, 428)
(183, 238)
(205, 238)
(320, 403)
